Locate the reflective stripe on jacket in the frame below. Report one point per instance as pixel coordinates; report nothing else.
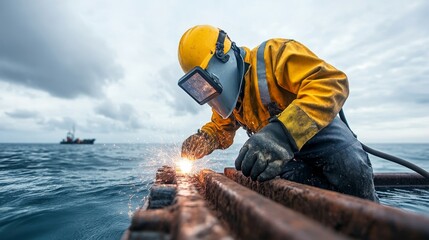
(307, 91)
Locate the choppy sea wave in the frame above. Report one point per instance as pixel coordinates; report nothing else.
(52, 191)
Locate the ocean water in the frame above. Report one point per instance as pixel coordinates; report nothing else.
(53, 191)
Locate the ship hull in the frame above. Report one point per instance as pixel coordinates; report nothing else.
(84, 141)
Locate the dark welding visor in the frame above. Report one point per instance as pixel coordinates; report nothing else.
(200, 85)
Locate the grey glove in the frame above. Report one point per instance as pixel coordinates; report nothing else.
(198, 145)
(265, 153)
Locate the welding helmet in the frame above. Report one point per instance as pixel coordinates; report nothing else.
(214, 68)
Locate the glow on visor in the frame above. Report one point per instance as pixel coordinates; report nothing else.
(200, 85)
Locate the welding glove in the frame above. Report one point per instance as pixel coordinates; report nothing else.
(265, 153)
(198, 145)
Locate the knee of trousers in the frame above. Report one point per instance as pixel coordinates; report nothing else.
(301, 172)
(350, 172)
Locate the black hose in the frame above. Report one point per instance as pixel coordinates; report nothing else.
(386, 156)
(397, 160)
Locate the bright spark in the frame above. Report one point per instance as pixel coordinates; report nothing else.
(185, 165)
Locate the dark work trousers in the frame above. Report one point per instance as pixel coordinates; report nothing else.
(334, 159)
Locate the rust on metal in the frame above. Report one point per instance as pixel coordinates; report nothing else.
(210, 205)
(165, 175)
(163, 191)
(349, 215)
(154, 219)
(194, 220)
(253, 216)
(174, 210)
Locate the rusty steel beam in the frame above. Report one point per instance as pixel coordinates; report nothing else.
(154, 220)
(352, 216)
(253, 216)
(158, 220)
(401, 180)
(175, 210)
(165, 175)
(194, 220)
(163, 191)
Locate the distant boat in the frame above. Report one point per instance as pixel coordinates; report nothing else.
(70, 139)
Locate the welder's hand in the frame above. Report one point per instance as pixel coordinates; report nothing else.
(265, 153)
(198, 145)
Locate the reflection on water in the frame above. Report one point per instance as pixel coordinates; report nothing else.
(413, 199)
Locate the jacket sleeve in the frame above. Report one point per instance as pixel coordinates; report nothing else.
(222, 130)
(320, 89)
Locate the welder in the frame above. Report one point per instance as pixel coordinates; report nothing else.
(286, 98)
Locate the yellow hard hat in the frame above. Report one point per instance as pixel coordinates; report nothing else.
(198, 45)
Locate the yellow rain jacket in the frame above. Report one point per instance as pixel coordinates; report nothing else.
(307, 91)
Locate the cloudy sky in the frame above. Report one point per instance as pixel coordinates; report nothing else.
(110, 67)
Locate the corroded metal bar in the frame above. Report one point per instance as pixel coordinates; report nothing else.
(150, 224)
(163, 191)
(165, 175)
(154, 219)
(352, 216)
(193, 219)
(253, 216)
(185, 217)
(161, 196)
(400, 180)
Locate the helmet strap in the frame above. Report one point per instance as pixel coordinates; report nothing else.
(220, 46)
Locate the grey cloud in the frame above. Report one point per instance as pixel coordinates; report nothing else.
(387, 63)
(44, 47)
(85, 128)
(124, 113)
(65, 123)
(96, 124)
(22, 114)
(173, 95)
